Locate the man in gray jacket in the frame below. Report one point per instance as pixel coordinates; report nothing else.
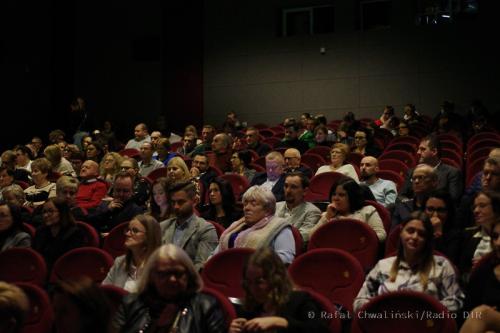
(191, 233)
(299, 213)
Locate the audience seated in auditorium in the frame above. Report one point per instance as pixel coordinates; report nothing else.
(191, 233)
(410, 115)
(363, 143)
(423, 181)
(163, 153)
(252, 138)
(59, 232)
(476, 241)
(308, 134)
(59, 164)
(222, 207)
(142, 188)
(188, 145)
(91, 189)
(415, 268)
(207, 135)
(294, 209)
(141, 135)
(240, 164)
(42, 188)
(273, 179)
(142, 238)
(159, 203)
(164, 304)
(222, 147)
(384, 191)
(291, 139)
(110, 166)
(449, 178)
(386, 116)
(120, 208)
(321, 136)
(490, 181)
(94, 152)
(147, 163)
(23, 157)
(447, 236)
(8, 159)
(271, 303)
(347, 201)
(338, 155)
(201, 170)
(260, 227)
(292, 162)
(11, 234)
(483, 286)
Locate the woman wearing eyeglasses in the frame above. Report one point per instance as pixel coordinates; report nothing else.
(59, 232)
(168, 298)
(363, 143)
(271, 304)
(142, 238)
(440, 208)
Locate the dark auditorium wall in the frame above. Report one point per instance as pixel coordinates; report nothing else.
(248, 68)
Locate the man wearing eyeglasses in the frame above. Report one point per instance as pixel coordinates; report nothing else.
(449, 178)
(120, 208)
(191, 233)
(424, 180)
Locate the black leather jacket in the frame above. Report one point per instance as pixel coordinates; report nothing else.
(203, 315)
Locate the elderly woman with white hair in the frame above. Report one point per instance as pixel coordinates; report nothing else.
(168, 298)
(260, 227)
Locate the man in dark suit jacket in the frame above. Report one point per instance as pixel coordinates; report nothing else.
(253, 142)
(292, 162)
(449, 178)
(291, 139)
(274, 177)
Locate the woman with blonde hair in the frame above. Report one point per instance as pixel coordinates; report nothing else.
(110, 166)
(142, 238)
(168, 298)
(177, 170)
(415, 267)
(42, 188)
(338, 156)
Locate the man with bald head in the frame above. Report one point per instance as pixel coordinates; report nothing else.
(424, 180)
(383, 190)
(274, 177)
(292, 162)
(141, 135)
(91, 189)
(222, 147)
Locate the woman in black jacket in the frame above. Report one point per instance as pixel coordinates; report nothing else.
(168, 298)
(59, 232)
(271, 303)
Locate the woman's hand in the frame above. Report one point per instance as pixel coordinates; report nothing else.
(438, 226)
(237, 325)
(331, 211)
(265, 323)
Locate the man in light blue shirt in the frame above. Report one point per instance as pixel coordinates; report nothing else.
(384, 191)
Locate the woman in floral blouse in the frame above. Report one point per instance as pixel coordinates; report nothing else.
(415, 267)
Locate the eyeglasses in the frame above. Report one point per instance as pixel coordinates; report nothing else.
(126, 167)
(336, 152)
(133, 231)
(439, 210)
(49, 211)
